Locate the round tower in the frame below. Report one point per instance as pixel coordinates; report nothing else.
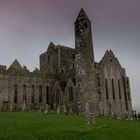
(84, 63)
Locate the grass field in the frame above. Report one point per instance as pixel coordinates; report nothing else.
(40, 126)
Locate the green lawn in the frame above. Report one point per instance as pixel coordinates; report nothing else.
(40, 126)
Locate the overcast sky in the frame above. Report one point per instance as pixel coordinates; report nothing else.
(27, 27)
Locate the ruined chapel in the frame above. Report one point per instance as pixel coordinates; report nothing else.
(68, 77)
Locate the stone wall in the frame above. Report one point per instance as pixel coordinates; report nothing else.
(23, 92)
(114, 100)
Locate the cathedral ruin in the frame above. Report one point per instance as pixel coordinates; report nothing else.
(68, 77)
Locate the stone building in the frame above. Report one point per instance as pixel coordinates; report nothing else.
(68, 78)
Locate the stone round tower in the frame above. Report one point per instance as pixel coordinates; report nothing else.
(86, 80)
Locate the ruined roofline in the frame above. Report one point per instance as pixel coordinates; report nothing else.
(59, 45)
(52, 45)
(17, 69)
(110, 52)
(65, 47)
(106, 53)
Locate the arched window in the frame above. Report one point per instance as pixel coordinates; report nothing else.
(57, 96)
(32, 94)
(127, 84)
(119, 89)
(24, 93)
(113, 90)
(40, 94)
(47, 95)
(70, 94)
(106, 88)
(15, 94)
(125, 94)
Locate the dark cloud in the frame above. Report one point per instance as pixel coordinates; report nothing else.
(27, 27)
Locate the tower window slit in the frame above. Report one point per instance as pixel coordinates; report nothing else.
(86, 25)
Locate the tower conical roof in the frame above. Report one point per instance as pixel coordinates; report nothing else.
(82, 15)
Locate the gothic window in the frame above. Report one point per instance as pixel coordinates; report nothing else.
(70, 94)
(125, 96)
(40, 94)
(127, 84)
(24, 93)
(47, 95)
(15, 94)
(106, 88)
(119, 89)
(113, 90)
(57, 96)
(32, 94)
